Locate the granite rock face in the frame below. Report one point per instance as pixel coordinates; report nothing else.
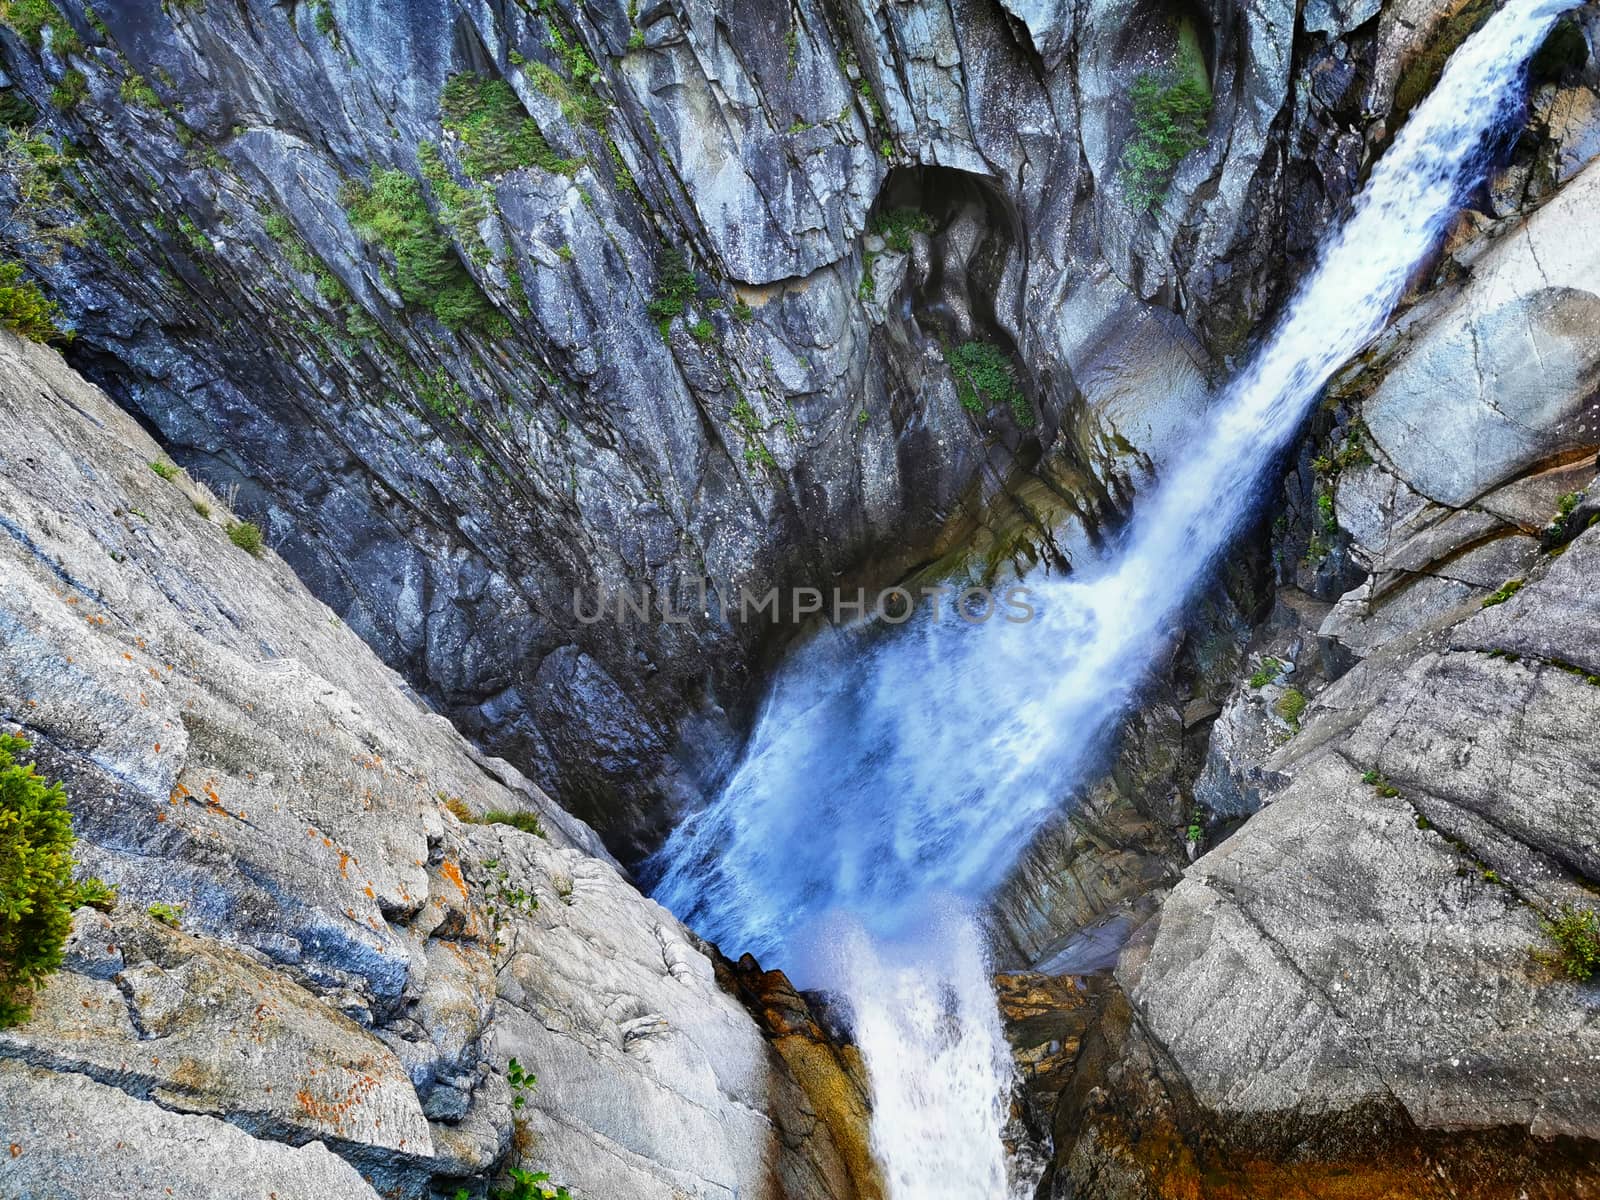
(447, 491)
(352, 964)
(1445, 449)
(1354, 987)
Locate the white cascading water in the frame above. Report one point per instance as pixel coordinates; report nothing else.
(894, 775)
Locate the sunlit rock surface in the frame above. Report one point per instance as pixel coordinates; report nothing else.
(354, 965)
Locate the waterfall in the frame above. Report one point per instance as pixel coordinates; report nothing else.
(894, 775)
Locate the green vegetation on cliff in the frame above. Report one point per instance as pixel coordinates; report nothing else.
(676, 285)
(170, 915)
(26, 309)
(1291, 706)
(72, 88)
(1170, 113)
(496, 132)
(37, 892)
(393, 214)
(984, 376)
(897, 225)
(247, 536)
(1504, 592)
(1576, 934)
(28, 19)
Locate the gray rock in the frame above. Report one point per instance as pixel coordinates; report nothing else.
(70, 1136)
(198, 1028)
(652, 1081)
(1459, 412)
(347, 972)
(1358, 960)
(446, 492)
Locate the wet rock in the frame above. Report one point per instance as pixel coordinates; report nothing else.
(822, 1059)
(1047, 1017)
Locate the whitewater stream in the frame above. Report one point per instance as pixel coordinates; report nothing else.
(894, 775)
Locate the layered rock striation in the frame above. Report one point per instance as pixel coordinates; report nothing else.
(316, 971)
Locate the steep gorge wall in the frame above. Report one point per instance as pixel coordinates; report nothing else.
(1351, 989)
(349, 966)
(446, 492)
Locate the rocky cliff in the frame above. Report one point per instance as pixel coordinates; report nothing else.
(1355, 991)
(629, 309)
(473, 305)
(320, 960)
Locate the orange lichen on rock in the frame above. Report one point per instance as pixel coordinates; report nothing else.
(452, 872)
(333, 1112)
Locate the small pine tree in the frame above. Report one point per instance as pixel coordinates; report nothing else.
(26, 309)
(37, 894)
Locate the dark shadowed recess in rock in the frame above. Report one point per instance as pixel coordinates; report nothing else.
(974, 230)
(1153, 28)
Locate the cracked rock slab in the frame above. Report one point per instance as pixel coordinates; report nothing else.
(66, 1135)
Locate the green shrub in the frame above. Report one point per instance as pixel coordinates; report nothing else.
(166, 470)
(95, 893)
(1351, 453)
(1290, 706)
(247, 536)
(496, 132)
(167, 914)
(393, 214)
(1375, 779)
(1559, 526)
(322, 19)
(104, 232)
(27, 310)
(1326, 515)
(897, 226)
(984, 375)
(30, 18)
(136, 89)
(675, 286)
(1170, 113)
(461, 209)
(1265, 673)
(703, 330)
(37, 894)
(279, 229)
(531, 1185)
(574, 92)
(71, 88)
(1576, 934)
(527, 822)
(521, 1081)
(579, 104)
